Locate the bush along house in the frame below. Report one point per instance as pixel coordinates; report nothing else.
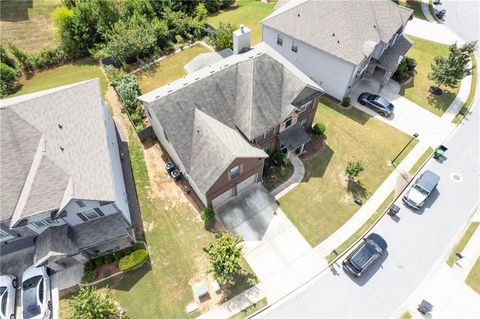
(219, 123)
(62, 186)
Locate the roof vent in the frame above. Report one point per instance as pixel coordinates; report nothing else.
(242, 28)
(170, 91)
(185, 83)
(212, 71)
(374, 26)
(250, 57)
(298, 14)
(338, 41)
(60, 126)
(333, 34)
(198, 130)
(61, 148)
(197, 79)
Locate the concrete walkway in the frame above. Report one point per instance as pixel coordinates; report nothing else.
(460, 99)
(426, 11)
(294, 180)
(432, 31)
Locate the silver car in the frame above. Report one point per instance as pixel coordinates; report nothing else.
(36, 295)
(8, 291)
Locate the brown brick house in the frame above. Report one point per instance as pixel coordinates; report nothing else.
(219, 123)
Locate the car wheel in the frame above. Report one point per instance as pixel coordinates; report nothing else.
(362, 102)
(14, 283)
(49, 305)
(12, 316)
(383, 114)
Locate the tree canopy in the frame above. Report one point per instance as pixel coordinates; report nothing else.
(224, 255)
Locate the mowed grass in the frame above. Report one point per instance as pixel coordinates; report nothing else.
(247, 12)
(175, 236)
(424, 51)
(421, 160)
(473, 278)
(415, 6)
(462, 243)
(324, 200)
(28, 23)
(77, 71)
(168, 69)
(262, 303)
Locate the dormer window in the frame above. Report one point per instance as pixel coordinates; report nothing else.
(294, 46)
(264, 135)
(288, 122)
(304, 107)
(279, 39)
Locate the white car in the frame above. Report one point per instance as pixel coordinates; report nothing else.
(36, 295)
(8, 291)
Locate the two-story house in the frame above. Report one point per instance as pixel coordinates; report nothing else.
(218, 124)
(336, 43)
(61, 187)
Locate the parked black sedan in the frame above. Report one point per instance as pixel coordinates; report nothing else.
(377, 103)
(366, 253)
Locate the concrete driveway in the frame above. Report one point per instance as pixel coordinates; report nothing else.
(276, 251)
(408, 117)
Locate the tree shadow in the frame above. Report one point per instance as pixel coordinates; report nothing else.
(357, 189)
(441, 102)
(352, 113)
(242, 282)
(408, 84)
(317, 164)
(14, 11)
(127, 280)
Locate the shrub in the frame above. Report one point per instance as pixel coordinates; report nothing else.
(139, 128)
(319, 129)
(98, 261)
(136, 118)
(127, 251)
(113, 73)
(128, 90)
(89, 265)
(133, 260)
(108, 259)
(345, 101)
(5, 58)
(49, 56)
(137, 246)
(89, 275)
(222, 37)
(411, 63)
(353, 169)
(22, 57)
(117, 256)
(106, 273)
(8, 79)
(88, 303)
(277, 155)
(207, 214)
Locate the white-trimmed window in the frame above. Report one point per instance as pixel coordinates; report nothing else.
(288, 122)
(305, 106)
(294, 46)
(264, 135)
(45, 222)
(235, 171)
(90, 214)
(279, 39)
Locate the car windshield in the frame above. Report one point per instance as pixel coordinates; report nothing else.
(420, 189)
(31, 308)
(4, 297)
(382, 101)
(374, 245)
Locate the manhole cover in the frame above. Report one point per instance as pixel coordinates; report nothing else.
(456, 178)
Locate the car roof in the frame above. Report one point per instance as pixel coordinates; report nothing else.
(378, 240)
(428, 180)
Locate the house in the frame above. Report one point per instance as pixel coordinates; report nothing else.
(218, 124)
(62, 187)
(337, 43)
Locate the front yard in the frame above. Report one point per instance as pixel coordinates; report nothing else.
(324, 200)
(168, 69)
(247, 12)
(424, 51)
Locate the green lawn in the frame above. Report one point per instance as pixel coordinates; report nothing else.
(247, 12)
(79, 70)
(423, 51)
(168, 69)
(421, 160)
(344, 246)
(28, 23)
(262, 303)
(324, 200)
(415, 6)
(462, 243)
(471, 95)
(406, 315)
(473, 278)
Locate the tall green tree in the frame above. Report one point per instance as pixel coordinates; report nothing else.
(224, 255)
(353, 169)
(222, 38)
(449, 71)
(90, 304)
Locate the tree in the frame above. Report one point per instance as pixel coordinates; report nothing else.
(224, 255)
(90, 304)
(8, 79)
(452, 69)
(222, 38)
(353, 169)
(128, 90)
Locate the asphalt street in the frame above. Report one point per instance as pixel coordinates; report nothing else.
(463, 18)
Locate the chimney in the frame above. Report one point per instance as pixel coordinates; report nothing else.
(241, 40)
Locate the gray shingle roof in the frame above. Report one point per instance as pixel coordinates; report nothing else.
(206, 59)
(340, 28)
(55, 241)
(251, 92)
(391, 57)
(294, 137)
(54, 148)
(99, 230)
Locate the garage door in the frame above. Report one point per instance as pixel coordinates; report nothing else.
(244, 184)
(220, 199)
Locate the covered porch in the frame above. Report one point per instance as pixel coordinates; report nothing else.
(293, 140)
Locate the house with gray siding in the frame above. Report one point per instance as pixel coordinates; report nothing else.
(337, 43)
(62, 188)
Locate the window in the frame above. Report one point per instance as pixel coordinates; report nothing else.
(305, 106)
(279, 39)
(267, 148)
(288, 122)
(90, 214)
(264, 135)
(294, 46)
(45, 222)
(80, 203)
(235, 171)
(303, 123)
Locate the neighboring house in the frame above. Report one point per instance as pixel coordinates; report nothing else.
(62, 187)
(219, 124)
(337, 43)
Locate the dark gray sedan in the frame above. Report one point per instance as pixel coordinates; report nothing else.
(377, 103)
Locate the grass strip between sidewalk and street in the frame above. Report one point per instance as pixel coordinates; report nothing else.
(406, 315)
(473, 278)
(425, 156)
(432, 11)
(362, 230)
(471, 95)
(462, 243)
(262, 303)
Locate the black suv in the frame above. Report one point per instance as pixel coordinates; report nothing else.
(366, 253)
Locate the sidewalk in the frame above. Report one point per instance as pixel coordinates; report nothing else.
(294, 180)
(432, 31)
(426, 11)
(460, 99)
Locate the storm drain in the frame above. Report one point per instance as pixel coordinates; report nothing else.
(456, 178)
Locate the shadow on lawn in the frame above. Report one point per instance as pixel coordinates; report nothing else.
(441, 102)
(318, 163)
(243, 282)
(231, 8)
(351, 112)
(126, 281)
(14, 11)
(357, 189)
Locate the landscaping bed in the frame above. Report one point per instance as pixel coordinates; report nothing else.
(324, 200)
(275, 175)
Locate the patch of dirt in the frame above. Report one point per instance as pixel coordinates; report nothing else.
(111, 267)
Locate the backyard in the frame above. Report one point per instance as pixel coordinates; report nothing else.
(28, 23)
(168, 69)
(351, 135)
(247, 12)
(417, 90)
(76, 71)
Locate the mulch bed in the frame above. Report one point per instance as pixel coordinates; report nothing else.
(111, 267)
